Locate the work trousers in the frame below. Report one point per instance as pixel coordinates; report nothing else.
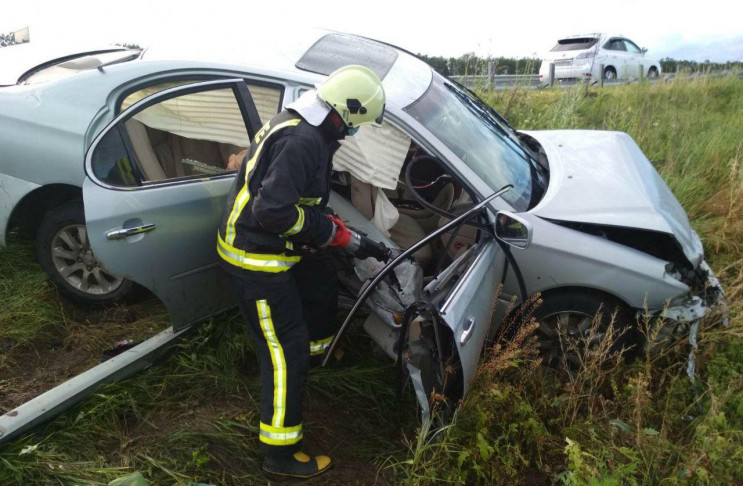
(291, 317)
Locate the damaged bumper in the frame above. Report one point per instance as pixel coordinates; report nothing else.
(681, 320)
(696, 306)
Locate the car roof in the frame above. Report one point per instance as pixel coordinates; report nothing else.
(307, 57)
(17, 60)
(595, 35)
(82, 95)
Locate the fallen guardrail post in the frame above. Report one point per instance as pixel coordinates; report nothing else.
(63, 397)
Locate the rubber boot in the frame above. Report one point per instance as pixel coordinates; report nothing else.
(296, 466)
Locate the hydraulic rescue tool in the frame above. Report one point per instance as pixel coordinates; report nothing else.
(361, 246)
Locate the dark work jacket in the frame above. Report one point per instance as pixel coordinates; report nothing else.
(280, 196)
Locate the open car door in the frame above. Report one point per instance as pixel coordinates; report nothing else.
(155, 187)
(440, 337)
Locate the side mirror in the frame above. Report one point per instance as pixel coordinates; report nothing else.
(513, 230)
(644, 50)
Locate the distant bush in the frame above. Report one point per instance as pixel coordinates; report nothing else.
(472, 64)
(669, 65)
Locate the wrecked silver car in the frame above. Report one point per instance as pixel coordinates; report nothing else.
(130, 180)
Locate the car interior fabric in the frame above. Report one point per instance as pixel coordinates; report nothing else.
(406, 231)
(208, 115)
(148, 160)
(425, 218)
(374, 155)
(386, 214)
(265, 98)
(161, 154)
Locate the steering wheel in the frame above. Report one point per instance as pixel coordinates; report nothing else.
(423, 202)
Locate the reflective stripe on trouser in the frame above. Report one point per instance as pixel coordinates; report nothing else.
(272, 309)
(280, 436)
(319, 347)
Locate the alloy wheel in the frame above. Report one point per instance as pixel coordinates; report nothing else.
(74, 261)
(559, 332)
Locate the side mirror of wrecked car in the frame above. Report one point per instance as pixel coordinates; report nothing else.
(513, 230)
(644, 50)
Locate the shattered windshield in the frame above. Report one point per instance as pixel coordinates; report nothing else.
(476, 137)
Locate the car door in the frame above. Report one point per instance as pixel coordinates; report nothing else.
(156, 183)
(468, 310)
(619, 57)
(634, 59)
(462, 296)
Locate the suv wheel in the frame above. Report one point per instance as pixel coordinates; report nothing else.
(64, 253)
(610, 74)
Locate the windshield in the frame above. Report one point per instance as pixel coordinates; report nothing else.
(469, 130)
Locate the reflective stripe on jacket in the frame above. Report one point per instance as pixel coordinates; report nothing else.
(279, 196)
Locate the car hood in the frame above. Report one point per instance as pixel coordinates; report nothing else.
(599, 177)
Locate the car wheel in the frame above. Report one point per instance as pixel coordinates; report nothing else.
(566, 327)
(64, 253)
(653, 73)
(610, 74)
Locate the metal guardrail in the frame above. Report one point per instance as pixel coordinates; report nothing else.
(498, 81)
(534, 81)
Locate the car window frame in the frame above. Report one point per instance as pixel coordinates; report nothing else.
(199, 78)
(607, 45)
(234, 83)
(628, 43)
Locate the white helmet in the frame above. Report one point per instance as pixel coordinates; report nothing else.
(356, 94)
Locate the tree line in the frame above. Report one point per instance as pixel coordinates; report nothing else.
(473, 65)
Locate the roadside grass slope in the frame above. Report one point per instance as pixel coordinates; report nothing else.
(192, 418)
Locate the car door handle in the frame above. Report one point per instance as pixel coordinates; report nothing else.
(124, 232)
(467, 331)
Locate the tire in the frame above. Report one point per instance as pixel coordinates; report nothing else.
(570, 315)
(653, 73)
(63, 251)
(610, 74)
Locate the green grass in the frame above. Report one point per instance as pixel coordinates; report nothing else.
(193, 417)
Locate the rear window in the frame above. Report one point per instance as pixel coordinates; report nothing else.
(574, 44)
(334, 51)
(61, 68)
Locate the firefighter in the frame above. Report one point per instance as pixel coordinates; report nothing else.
(276, 208)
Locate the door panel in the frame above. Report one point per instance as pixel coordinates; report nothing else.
(467, 311)
(162, 234)
(177, 259)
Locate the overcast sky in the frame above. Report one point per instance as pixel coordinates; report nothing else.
(712, 29)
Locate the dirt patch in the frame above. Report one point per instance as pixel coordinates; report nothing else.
(334, 428)
(33, 371)
(29, 369)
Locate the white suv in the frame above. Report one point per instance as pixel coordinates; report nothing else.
(581, 57)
